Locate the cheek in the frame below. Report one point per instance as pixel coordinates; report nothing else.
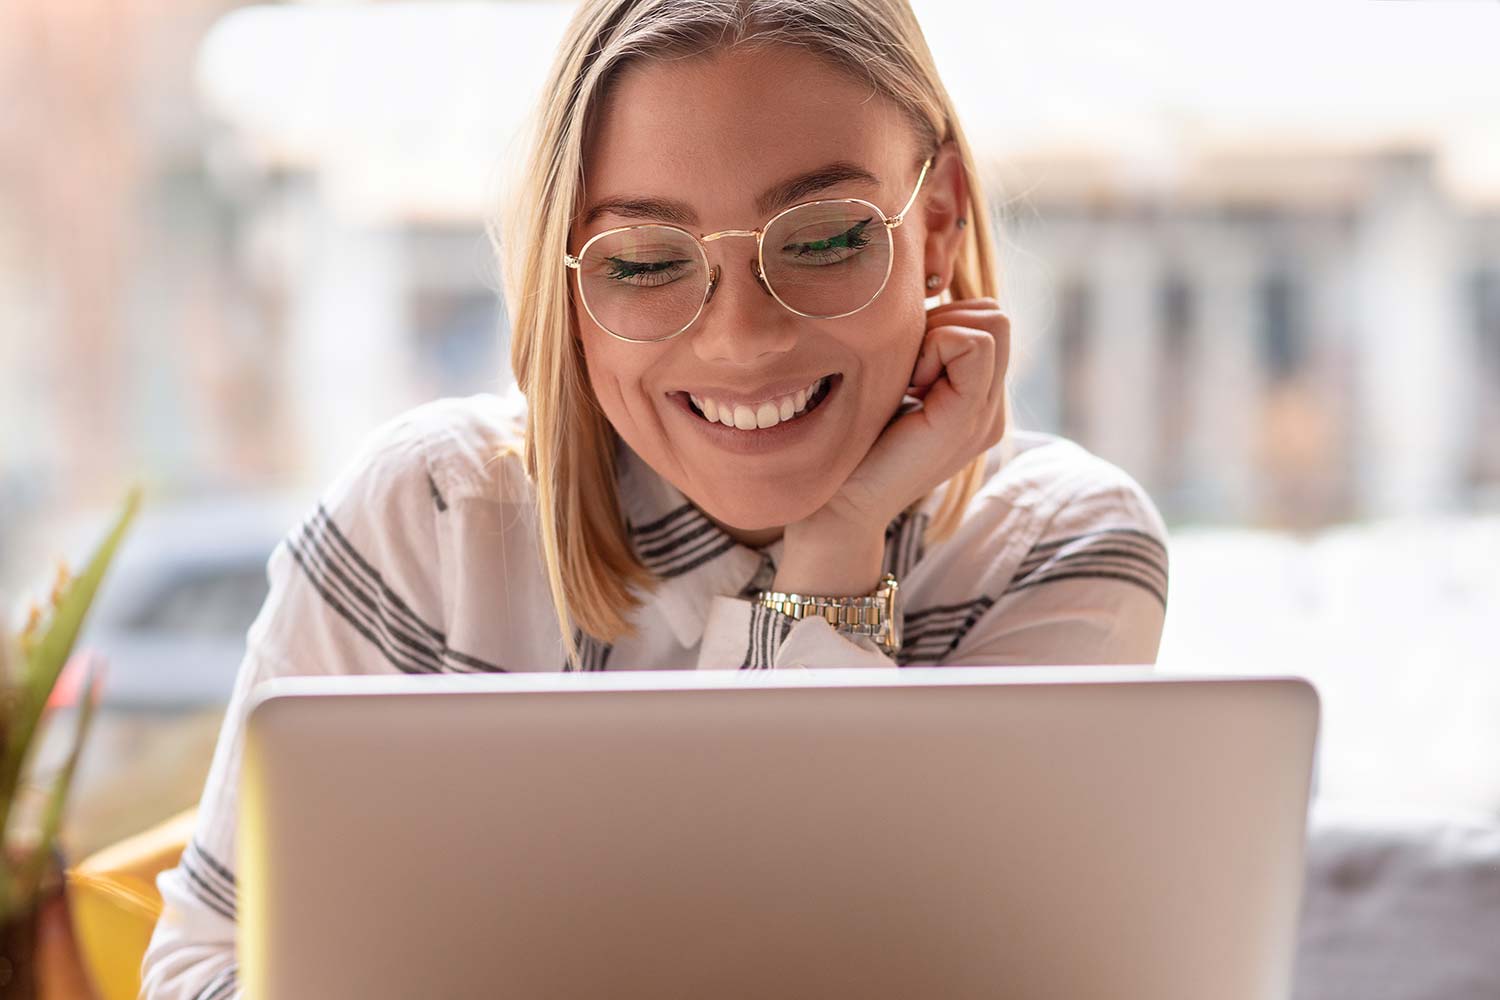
(615, 373)
(890, 348)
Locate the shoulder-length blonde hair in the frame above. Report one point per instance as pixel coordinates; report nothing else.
(569, 450)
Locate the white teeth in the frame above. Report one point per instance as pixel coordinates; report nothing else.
(767, 414)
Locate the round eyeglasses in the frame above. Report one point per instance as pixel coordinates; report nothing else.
(821, 259)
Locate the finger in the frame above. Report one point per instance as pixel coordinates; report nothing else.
(983, 305)
(968, 306)
(977, 302)
(992, 320)
(939, 350)
(928, 367)
(965, 361)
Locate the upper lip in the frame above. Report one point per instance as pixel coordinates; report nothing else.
(760, 394)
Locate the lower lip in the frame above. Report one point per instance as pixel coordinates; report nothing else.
(760, 441)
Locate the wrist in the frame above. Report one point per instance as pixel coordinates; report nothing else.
(830, 560)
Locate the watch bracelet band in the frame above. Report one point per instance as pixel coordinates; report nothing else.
(862, 615)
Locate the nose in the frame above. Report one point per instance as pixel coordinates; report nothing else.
(742, 323)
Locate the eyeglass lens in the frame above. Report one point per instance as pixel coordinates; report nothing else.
(821, 260)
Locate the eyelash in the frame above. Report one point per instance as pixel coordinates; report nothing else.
(855, 237)
(666, 271)
(624, 270)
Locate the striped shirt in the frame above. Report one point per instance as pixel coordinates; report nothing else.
(423, 556)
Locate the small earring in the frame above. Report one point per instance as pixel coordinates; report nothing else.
(933, 280)
(962, 222)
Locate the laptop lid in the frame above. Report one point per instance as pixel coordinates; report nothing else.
(928, 832)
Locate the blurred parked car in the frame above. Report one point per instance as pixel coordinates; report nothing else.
(172, 614)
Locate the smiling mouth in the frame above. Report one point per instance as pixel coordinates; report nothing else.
(766, 415)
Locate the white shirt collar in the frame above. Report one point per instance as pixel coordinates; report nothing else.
(698, 561)
(695, 558)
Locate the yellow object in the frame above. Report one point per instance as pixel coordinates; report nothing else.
(114, 903)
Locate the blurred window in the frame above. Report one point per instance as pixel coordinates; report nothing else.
(458, 336)
(1484, 292)
(205, 601)
(1280, 325)
(1175, 304)
(1074, 351)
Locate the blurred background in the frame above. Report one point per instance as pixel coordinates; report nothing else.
(1252, 255)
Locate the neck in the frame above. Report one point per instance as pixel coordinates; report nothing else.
(755, 538)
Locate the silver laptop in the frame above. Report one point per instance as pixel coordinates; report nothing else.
(1073, 832)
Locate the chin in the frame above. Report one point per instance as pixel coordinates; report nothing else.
(760, 506)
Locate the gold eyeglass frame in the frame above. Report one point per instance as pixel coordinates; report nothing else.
(713, 272)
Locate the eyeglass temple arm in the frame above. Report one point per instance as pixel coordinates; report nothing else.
(900, 216)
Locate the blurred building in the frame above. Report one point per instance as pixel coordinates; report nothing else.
(1284, 337)
(127, 351)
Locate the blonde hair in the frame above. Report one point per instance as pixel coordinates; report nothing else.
(569, 445)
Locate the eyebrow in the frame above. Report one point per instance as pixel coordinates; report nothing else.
(774, 198)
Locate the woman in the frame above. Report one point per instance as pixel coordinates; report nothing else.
(718, 264)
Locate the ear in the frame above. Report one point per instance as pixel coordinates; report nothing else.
(945, 200)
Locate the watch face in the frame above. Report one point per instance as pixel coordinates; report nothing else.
(893, 620)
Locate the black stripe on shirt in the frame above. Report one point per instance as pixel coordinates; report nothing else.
(904, 539)
(662, 526)
(704, 537)
(681, 541)
(1097, 575)
(692, 550)
(221, 985)
(1125, 554)
(373, 577)
(1128, 547)
(1151, 574)
(344, 587)
(932, 633)
(698, 559)
(437, 643)
(592, 654)
(359, 593)
(314, 569)
(203, 886)
(597, 653)
(221, 873)
(681, 557)
(916, 620)
(1054, 543)
(768, 630)
(1142, 563)
(437, 497)
(695, 529)
(916, 537)
(1118, 543)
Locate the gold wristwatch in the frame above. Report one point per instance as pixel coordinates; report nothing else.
(873, 615)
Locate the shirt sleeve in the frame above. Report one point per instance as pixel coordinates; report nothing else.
(1091, 589)
(1084, 584)
(743, 634)
(341, 598)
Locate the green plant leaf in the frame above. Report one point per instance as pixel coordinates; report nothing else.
(46, 657)
(28, 879)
